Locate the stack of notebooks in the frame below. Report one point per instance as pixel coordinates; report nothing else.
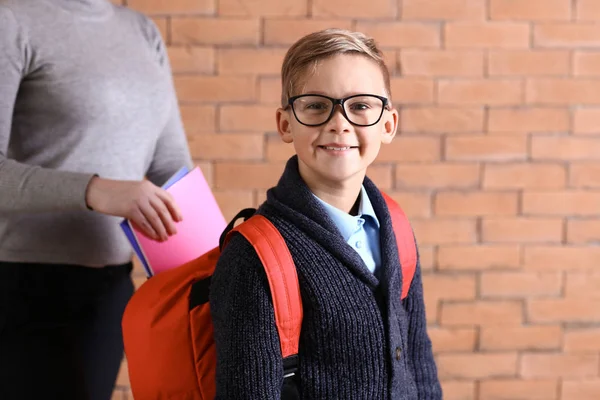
(197, 233)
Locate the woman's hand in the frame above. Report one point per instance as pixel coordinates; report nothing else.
(149, 207)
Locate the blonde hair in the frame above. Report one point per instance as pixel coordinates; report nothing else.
(312, 48)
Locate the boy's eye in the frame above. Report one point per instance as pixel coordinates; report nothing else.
(316, 106)
(359, 106)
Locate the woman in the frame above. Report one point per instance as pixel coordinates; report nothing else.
(87, 110)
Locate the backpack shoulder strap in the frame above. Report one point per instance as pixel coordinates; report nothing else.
(407, 249)
(283, 278)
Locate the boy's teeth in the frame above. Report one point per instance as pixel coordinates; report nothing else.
(336, 148)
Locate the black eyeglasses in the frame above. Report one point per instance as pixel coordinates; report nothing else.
(359, 109)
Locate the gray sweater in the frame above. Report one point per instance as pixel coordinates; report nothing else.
(358, 339)
(85, 88)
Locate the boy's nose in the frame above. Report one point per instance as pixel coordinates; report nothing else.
(338, 122)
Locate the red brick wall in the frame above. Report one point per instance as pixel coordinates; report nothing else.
(498, 163)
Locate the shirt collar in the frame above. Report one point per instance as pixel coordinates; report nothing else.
(348, 224)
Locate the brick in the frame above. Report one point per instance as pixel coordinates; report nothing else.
(496, 229)
(208, 171)
(583, 284)
(565, 148)
(225, 146)
(198, 118)
(451, 340)
(354, 9)
(414, 204)
(528, 63)
(447, 175)
(212, 31)
(426, 257)
(441, 119)
(531, 10)
(559, 365)
(458, 390)
(197, 88)
(485, 148)
(584, 174)
(588, 10)
(287, 31)
(250, 61)
(485, 313)
(566, 35)
(406, 148)
(476, 92)
(162, 25)
(443, 10)
(569, 258)
(262, 8)
(520, 284)
(586, 64)
(123, 376)
(564, 311)
(139, 280)
(546, 337)
(381, 175)
(278, 150)
(475, 203)
(452, 63)
(524, 176)
(486, 35)
(581, 390)
(240, 175)
(480, 257)
(192, 59)
(528, 120)
(444, 231)
(582, 340)
(153, 7)
(477, 366)
(401, 34)
(391, 58)
(563, 91)
(232, 201)
(269, 90)
(583, 231)
(117, 394)
(518, 389)
(437, 288)
(571, 203)
(412, 91)
(254, 118)
(586, 120)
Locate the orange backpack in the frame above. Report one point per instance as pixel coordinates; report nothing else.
(167, 326)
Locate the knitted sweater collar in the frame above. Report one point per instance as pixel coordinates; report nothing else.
(293, 200)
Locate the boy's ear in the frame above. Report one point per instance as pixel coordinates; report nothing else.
(284, 126)
(390, 125)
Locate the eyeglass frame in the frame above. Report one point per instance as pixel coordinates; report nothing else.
(339, 102)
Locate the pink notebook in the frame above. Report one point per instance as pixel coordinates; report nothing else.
(197, 233)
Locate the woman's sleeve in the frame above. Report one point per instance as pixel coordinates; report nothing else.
(249, 361)
(27, 188)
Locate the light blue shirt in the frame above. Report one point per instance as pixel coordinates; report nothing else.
(361, 232)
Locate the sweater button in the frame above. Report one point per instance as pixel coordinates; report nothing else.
(398, 353)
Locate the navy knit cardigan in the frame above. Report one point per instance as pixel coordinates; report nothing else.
(358, 339)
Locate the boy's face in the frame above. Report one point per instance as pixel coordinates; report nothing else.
(338, 152)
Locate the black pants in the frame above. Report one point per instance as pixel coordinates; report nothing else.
(60, 330)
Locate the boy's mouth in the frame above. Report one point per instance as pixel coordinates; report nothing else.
(337, 147)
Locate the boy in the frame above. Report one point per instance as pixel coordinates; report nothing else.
(358, 339)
